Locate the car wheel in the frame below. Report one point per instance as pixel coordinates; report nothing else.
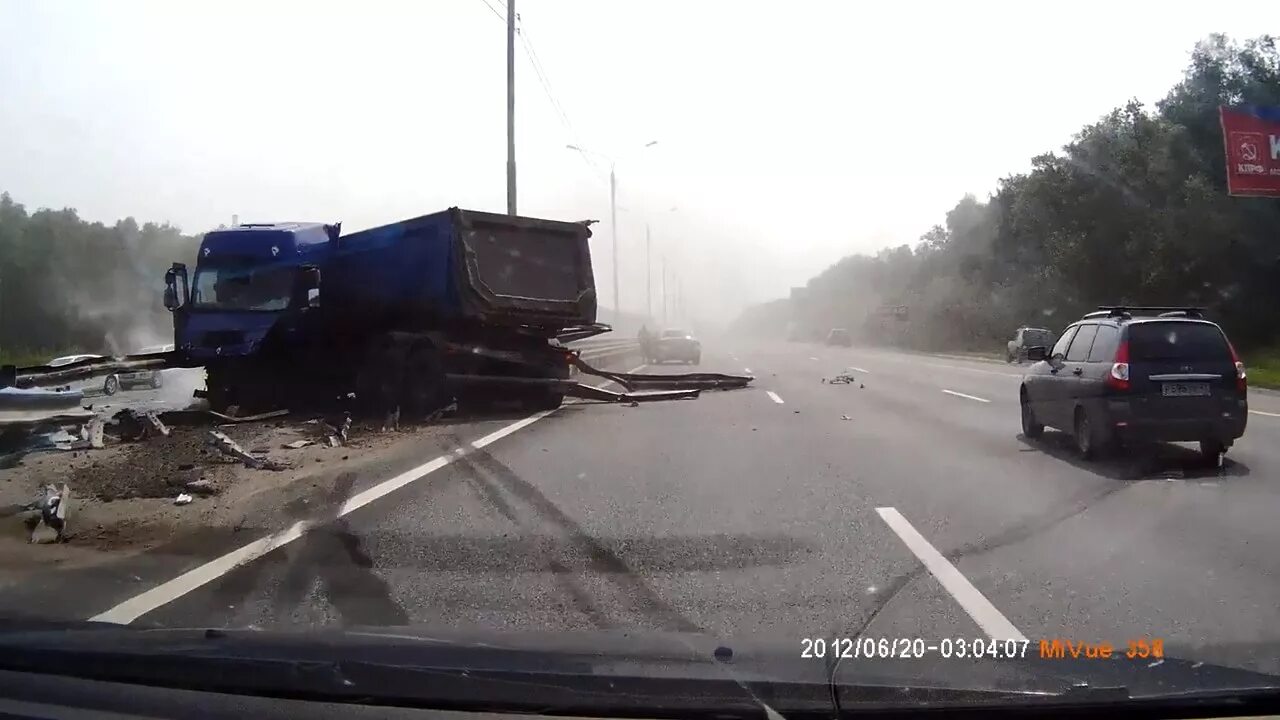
(1030, 427)
(1212, 450)
(111, 385)
(1085, 435)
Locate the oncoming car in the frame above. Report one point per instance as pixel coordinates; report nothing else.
(148, 378)
(678, 345)
(1132, 374)
(110, 386)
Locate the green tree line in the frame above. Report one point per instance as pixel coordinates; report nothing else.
(67, 285)
(1133, 210)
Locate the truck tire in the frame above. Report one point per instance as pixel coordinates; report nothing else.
(424, 388)
(111, 385)
(380, 378)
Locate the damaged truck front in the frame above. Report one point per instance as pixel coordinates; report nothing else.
(455, 305)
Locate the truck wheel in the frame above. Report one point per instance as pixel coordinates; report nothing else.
(156, 382)
(379, 380)
(544, 400)
(111, 385)
(424, 388)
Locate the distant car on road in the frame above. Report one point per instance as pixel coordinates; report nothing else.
(839, 336)
(149, 378)
(677, 345)
(1025, 337)
(1130, 374)
(110, 386)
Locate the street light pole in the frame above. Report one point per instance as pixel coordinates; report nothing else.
(511, 107)
(648, 273)
(613, 230)
(613, 211)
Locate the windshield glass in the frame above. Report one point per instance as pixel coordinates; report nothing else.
(243, 288)
(820, 331)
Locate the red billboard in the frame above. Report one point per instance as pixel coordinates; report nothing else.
(1251, 134)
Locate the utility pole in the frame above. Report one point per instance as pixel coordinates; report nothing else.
(648, 272)
(664, 290)
(511, 107)
(613, 229)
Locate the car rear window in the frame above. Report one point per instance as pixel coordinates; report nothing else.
(1177, 341)
(1036, 337)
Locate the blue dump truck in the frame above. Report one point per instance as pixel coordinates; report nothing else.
(457, 305)
(402, 314)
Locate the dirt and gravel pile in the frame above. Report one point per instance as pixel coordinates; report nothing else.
(158, 467)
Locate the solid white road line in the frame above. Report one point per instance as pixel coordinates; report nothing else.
(164, 593)
(991, 620)
(773, 396)
(967, 397)
(1268, 414)
(864, 371)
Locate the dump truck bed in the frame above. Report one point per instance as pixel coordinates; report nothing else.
(471, 266)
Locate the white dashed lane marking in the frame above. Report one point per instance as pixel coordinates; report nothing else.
(990, 619)
(773, 396)
(967, 397)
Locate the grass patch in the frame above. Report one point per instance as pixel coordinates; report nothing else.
(23, 357)
(1264, 368)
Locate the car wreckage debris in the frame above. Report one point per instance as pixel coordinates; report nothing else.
(224, 444)
(51, 510)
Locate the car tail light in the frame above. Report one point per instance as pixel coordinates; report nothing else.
(1118, 378)
(1242, 381)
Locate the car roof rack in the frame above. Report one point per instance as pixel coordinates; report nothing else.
(1128, 311)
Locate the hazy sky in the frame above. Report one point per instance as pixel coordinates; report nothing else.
(789, 134)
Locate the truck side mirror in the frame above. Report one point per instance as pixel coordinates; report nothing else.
(1036, 353)
(175, 296)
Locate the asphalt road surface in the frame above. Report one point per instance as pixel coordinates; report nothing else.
(905, 504)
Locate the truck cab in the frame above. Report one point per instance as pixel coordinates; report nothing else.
(245, 279)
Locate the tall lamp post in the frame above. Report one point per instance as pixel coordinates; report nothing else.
(613, 214)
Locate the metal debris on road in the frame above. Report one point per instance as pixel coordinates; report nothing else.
(338, 432)
(154, 421)
(200, 486)
(229, 447)
(183, 499)
(844, 378)
(299, 444)
(51, 510)
(92, 432)
(249, 418)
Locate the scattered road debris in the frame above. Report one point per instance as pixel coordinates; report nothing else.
(227, 446)
(200, 486)
(50, 510)
(844, 378)
(92, 432)
(183, 499)
(298, 444)
(339, 431)
(154, 421)
(845, 417)
(249, 418)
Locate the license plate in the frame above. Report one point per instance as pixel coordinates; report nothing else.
(1190, 389)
